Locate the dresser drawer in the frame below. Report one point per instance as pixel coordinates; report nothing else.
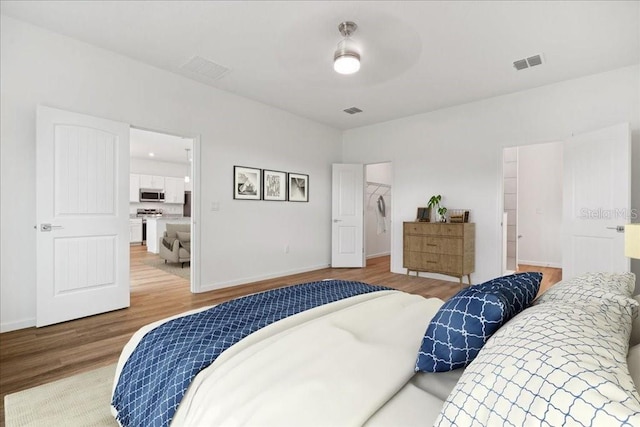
(456, 230)
(434, 229)
(431, 244)
(436, 263)
(419, 228)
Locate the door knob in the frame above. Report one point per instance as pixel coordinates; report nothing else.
(619, 228)
(337, 220)
(49, 227)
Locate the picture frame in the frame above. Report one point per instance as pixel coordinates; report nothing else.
(274, 185)
(423, 215)
(298, 187)
(247, 183)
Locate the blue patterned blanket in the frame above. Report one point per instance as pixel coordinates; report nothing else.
(156, 376)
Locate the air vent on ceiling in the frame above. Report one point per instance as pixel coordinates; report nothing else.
(205, 68)
(534, 60)
(520, 64)
(531, 61)
(352, 110)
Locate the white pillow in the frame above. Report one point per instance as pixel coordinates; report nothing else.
(590, 287)
(553, 364)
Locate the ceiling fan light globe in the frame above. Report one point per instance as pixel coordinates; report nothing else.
(346, 64)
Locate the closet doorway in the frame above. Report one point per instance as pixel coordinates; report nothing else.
(532, 199)
(377, 210)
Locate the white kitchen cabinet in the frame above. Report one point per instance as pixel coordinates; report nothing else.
(134, 188)
(173, 190)
(154, 182)
(135, 230)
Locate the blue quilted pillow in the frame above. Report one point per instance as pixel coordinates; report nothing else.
(519, 289)
(459, 329)
(463, 324)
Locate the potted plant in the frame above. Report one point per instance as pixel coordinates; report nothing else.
(434, 202)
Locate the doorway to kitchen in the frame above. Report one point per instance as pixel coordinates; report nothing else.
(161, 195)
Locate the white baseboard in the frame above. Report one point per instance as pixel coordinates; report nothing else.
(246, 280)
(540, 263)
(378, 255)
(18, 324)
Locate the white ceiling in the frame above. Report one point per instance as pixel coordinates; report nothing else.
(416, 56)
(165, 148)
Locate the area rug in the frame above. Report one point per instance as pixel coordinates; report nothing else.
(80, 400)
(170, 267)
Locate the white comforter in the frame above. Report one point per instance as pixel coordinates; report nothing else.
(335, 365)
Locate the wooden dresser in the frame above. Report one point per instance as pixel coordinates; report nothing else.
(445, 248)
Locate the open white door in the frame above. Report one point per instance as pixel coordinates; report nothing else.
(82, 211)
(597, 199)
(347, 227)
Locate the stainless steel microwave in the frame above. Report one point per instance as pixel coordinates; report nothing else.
(151, 195)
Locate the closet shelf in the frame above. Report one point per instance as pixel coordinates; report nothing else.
(377, 189)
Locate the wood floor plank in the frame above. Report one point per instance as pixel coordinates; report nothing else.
(34, 356)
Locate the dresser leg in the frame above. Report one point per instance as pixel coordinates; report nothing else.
(469, 278)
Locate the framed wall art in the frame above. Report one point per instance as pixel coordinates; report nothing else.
(274, 185)
(298, 187)
(247, 183)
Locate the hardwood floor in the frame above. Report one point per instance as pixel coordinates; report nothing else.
(33, 356)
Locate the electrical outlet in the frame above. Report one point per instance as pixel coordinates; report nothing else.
(215, 206)
(286, 249)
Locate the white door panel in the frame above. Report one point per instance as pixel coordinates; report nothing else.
(597, 199)
(82, 188)
(347, 242)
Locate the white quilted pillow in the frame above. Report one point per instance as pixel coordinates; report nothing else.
(590, 287)
(553, 364)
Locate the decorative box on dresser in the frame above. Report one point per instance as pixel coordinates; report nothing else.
(435, 247)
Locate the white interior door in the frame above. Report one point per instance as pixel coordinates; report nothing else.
(597, 199)
(347, 227)
(82, 210)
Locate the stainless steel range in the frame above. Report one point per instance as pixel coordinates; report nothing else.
(144, 214)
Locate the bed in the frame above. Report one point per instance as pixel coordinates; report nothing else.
(338, 353)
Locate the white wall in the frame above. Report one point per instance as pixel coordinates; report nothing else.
(457, 151)
(540, 204)
(376, 228)
(241, 242)
(156, 167)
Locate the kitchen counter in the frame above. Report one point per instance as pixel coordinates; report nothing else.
(156, 227)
